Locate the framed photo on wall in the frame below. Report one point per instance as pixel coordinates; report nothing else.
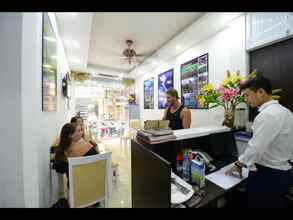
(49, 66)
(165, 82)
(148, 89)
(194, 75)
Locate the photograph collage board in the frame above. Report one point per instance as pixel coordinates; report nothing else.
(148, 89)
(194, 75)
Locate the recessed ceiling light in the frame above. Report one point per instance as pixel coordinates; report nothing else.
(71, 43)
(75, 60)
(178, 47)
(75, 44)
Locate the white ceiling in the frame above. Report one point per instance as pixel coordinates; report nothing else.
(75, 29)
(100, 37)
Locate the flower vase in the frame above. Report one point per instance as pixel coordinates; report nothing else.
(229, 117)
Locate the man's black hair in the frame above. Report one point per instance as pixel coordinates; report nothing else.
(258, 82)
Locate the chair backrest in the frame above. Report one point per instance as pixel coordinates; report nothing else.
(134, 123)
(90, 179)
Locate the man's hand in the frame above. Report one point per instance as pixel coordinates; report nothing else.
(235, 171)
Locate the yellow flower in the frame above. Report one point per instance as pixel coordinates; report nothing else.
(252, 74)
(208, 88)
(201, 100)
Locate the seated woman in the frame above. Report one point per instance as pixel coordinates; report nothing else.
(84, 137)
(70, 146)
(85, 134)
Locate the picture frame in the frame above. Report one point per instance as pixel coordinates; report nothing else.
(148, 88)
(194, 74)
(165, 82)
(49, 66)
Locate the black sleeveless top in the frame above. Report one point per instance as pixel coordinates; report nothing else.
(62, 166)
(175, 122)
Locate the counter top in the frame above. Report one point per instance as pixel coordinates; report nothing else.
(198, 132)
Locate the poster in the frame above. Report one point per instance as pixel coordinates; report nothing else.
(165, 82)
(49, 67)
(194, 75)
(148, 88)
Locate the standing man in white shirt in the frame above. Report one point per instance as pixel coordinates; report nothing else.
(269, 150)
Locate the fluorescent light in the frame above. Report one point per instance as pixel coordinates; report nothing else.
(178, 47)
(47, 66)
(50, 39)
(75, 60)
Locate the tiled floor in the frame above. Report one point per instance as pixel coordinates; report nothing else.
(121, 195)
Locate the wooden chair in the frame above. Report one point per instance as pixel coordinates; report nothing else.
(129, 134)
(90, 180)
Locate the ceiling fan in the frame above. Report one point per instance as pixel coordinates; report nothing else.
(129, 53)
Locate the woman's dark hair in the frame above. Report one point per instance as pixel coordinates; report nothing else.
(258, 82)
(75, 118)
(65, 140)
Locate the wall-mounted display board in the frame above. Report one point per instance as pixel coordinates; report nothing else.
(49, 66)
(165, 82)
(194, 75)
(148, 89)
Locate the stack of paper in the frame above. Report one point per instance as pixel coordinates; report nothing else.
(226, 182)
(152, 139)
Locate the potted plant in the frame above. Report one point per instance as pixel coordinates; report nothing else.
(227, 95)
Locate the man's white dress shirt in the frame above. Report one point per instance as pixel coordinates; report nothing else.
(272, 141)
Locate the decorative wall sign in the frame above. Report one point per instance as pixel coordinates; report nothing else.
(148, 88)
(194, 75)
(49, 66)
(165, 82)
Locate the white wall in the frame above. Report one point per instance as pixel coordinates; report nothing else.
(226, 50)
(26, 132)
(11, 181)
(39, 128)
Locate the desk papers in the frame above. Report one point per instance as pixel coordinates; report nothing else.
(224, 181)
(178, 197)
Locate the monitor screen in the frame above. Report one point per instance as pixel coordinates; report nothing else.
(223, 145)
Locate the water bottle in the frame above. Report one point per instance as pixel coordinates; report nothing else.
(179, 164)
(185, 167)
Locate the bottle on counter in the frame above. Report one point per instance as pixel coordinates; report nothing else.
(179, 165)
(185, 168)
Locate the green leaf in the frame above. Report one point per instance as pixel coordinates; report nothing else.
(214, 106)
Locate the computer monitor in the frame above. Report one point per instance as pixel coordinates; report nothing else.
(223, 148)
(151, 176)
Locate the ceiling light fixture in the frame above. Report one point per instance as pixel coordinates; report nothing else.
(75, 60)
(178, 47)
(51, 39)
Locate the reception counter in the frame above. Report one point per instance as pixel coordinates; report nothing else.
(152, 163)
